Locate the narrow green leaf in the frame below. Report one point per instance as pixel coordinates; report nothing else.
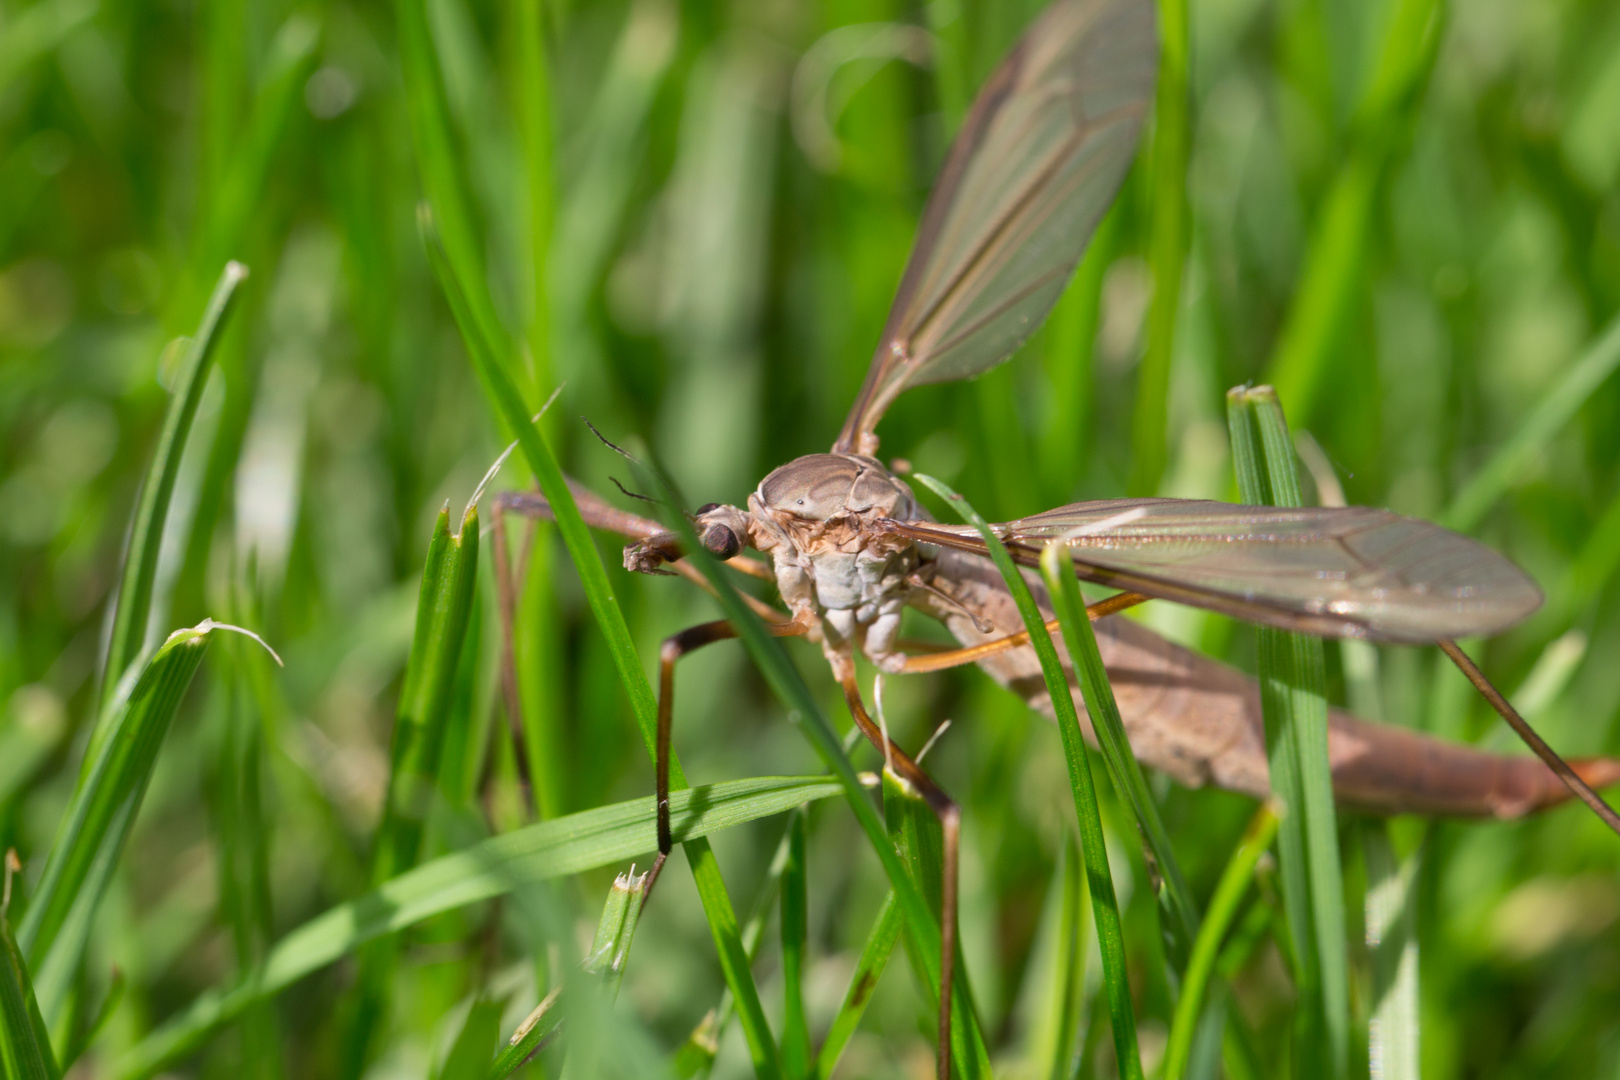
(25, 1046)
(91, 839)
(134, 602)
(1057, 982)
(795, 930)
(1080, 640)
(1394, 1030)
(1105, 905)
(529, 1038)
(470, 1053)
(1293, 678)
(1167, 245)
(862, 981)
(1551, 413)
(1223, 907)
(485, 351)
(486, 870)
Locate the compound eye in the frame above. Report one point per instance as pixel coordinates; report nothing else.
(706, 507)
(721, 541)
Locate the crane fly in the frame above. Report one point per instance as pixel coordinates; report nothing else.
(1037, 162)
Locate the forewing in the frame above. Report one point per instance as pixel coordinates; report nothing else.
(1337, 571)
(1036, 164)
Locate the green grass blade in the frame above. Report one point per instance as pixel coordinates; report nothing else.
(1551, 413)
(1394, 1031)
(1105, 905)
(530, 1037)
(1335, 263)
(488, 869)
(470, 1053)
(1167, 245)
(1061, 948)
(922, 927)
(1223, 907)
(25, 1046)
(1292, 670)
(795, 932)
(1057, 568)
(576, 536)
(443, 610)
(862, 981)
(87, 847)
(606, 961)
(134, 602)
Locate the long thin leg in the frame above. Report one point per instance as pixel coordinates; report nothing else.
(950, 822)
(675, 647)
(1572, 780)
(971, 654)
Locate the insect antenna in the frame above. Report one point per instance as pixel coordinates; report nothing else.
(627, 493)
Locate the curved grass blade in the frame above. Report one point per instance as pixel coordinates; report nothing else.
(486, 870)
(1105, 906)
(88, 845)
(795, 932)
(25, 1046)
(1222, 909)
(134, 603)
(1292, 672)
(508, 404)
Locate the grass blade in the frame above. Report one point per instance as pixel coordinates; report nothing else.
(1394, 1030)
(1293, 678)
(483, 871)
(485, 352)
(133, 606)
(1550, 415)
(1167, 244)
(606, 961)
(1334, 267)
(862, 981)
(1057, 993)
(469, 1054)
(88, 845)
(1105, 906)
(1223, 907)
(795, 930)
(444, 607)
(25, 1046)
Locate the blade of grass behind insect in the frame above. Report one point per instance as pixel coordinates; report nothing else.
(1334, 263)
(508, 404)
(57, 926)
(1167, 248)
(145, 542)
(1549, 416)
(1105, 905)
(25, 1046)
(1057, 568)
(795, 932)
(483, 871)
(443, 609)
(969, 1054)
(1394, 1030)
(1223, 907)
(1060, 989)
(1292, 670)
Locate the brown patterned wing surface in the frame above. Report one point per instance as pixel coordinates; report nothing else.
(1036, 164)
(1335, 571)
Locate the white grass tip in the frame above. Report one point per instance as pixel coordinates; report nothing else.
(236, 272)
(213, 624)
(932, 739)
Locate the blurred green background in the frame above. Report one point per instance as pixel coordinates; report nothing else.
(1405, 214)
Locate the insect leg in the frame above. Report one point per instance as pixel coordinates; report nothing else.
(1572, 780)
(676, 646)
(971, 654)
(950, 821)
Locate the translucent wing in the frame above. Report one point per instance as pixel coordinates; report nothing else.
(1337, 571)
(1037, 161)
